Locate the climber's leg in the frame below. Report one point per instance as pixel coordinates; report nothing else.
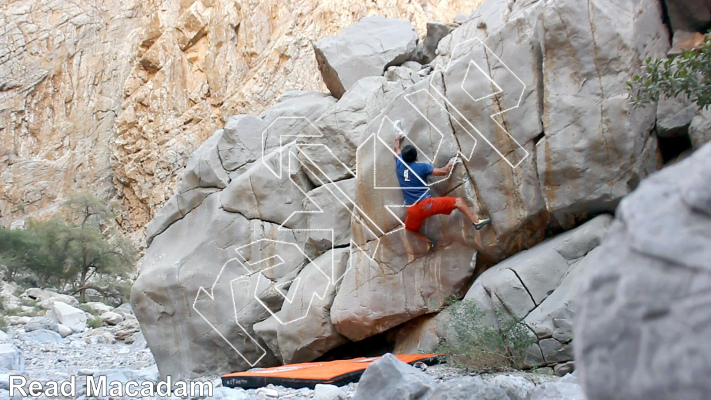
(416, 215)
(462, 206)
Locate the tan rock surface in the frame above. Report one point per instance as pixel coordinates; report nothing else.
(62, 67)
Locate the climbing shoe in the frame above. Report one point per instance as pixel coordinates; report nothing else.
(482, 223)
(431, 245)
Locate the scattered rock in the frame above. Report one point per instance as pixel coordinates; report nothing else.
(391, 379)
(139, 342)
(99, 336)
(45, 322)
(328, 392)
(364, 49)
(700, 128)
(563, 389)
(98, 307)
(46, 298)
(64, 330)
(126, 375)
(468, 387)
(111, 318)
(7, 295)
(70, 316)
(124, 309)
(11, 358)
(128, 328)
(267, 392)
(225, 393)
(674, 116)
(517, 387)
(42, 336)
(564, 368)
(435, 32)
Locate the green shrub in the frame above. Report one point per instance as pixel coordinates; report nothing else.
(688, 73)
(87, 309)
(95, 322)
(14, 311)
(71, 252)
(477, 344)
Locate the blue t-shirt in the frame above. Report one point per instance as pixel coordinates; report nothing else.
(414, 186)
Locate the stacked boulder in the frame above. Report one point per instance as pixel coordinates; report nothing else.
(285, 239)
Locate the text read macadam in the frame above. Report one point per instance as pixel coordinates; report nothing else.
(100, 387)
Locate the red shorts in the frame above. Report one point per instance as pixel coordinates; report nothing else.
(423, 209)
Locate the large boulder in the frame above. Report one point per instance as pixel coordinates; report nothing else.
(641, 326)
(501, 93)
(364, 49)
(388, 378)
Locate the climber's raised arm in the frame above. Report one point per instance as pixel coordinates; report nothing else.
(398, 139)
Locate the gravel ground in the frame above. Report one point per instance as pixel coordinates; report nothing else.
(53, 361)
(74, 356)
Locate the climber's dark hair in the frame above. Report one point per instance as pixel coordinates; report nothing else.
(409, 153)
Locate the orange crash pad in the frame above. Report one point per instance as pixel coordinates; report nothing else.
(339, 372)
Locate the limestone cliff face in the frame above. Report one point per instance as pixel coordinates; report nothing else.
(62, 69)
(200, 62)
(112, 97)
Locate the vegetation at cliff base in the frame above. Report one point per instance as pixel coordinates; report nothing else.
(479, 344)
(78, 251)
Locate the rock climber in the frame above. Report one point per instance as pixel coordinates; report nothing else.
(420, 203)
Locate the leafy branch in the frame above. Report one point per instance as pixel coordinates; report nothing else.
(689, 74)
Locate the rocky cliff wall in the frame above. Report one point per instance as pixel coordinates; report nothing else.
(62, 69)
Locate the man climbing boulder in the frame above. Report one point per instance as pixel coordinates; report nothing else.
(412, 176)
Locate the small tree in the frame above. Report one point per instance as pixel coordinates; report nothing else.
(71, 253)
(94, 244)
(689, 73)
(14, 251)
(91, 252)
(49, 245)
